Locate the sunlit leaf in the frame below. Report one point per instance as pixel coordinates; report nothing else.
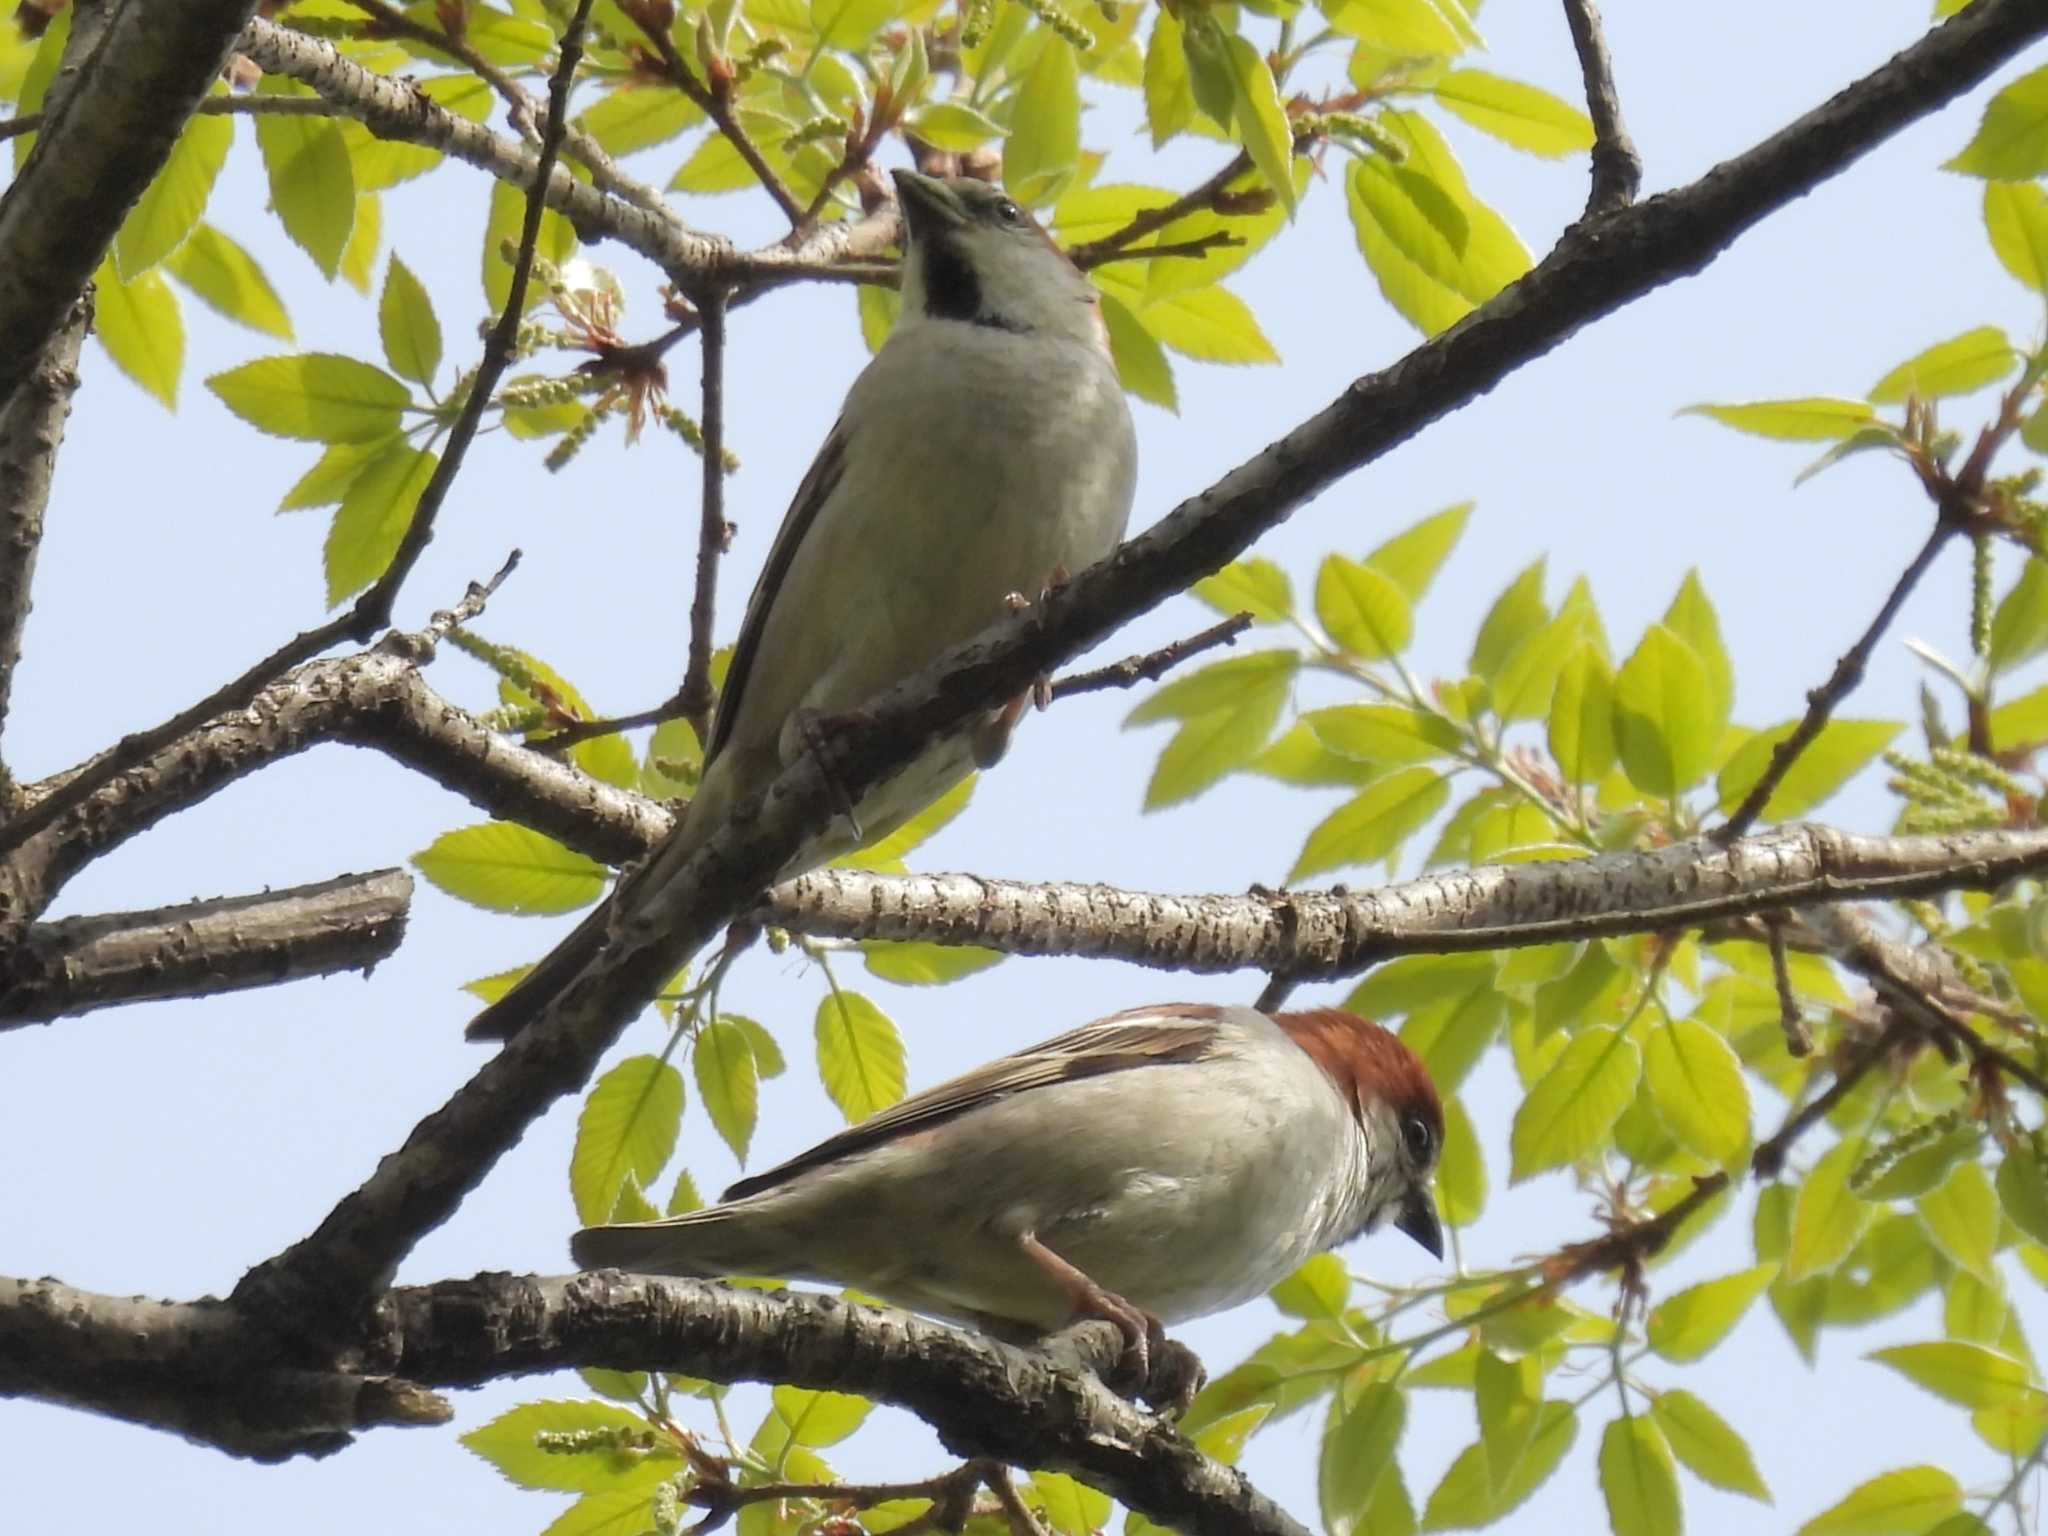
(1638, 1480)
(1901, 1503)
(2011, 142)
(1688, 1325)
(1572, 1108)
(504, 867)
(860, 1054)
(1958, 366)
(1703, 1440)
(627, 1129)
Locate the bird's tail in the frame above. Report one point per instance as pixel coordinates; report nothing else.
(722, 1240)
(541, 985)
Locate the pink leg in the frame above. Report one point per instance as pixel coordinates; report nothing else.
(1143, 1333)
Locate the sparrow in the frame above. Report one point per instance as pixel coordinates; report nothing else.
(984, 452)
(1157, 1165)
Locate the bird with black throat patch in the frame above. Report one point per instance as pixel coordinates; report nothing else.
(984, 453)
(1157, 1165)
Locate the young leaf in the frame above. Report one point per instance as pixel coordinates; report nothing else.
(1581, 730)
(1827, 1218)
(1465, 1498)
(1664, 716)
(1044, 147)
(1687, 1326)
(507, 1443)
(503, 867)
(227, 279)
(1962, 1218)
(1412, 557)
(817, 1418)
(627, 1129)
(406, 323)
(1698, 1090)
(885, 854)
(1358, 1446)
(1071, 1507)
(1966, 1374)
(2023, 1191)
(1570, 1110)
(1515, 615)
(1812, 420)
(1374, 824)
(1318, 1291)
(1461, 1168)
(1212, 325)
(1638, 1480)
(1703, 1440)
(139, 325)
(636, 116)
(1958, 366)
(2019, 624)
(1388, 734)
(319, 397)
(1169, 97)
(723, 1058)
(1526, 116)
(1404, 253)
(1208, 746)
(2011, 143)
(1253, 585)
(1830, 760)
(1508, 1395)
(860, 1054)
(374, 514)
(312, 185)
(1910, 1499)
(172, 203)
(1260, 119)
(1363, 610)
(1141, 364)
(924, 964)
(2016, 219)
(1691, 617)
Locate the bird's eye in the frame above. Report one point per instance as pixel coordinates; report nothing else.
(1421, 1139)
(1009, 212)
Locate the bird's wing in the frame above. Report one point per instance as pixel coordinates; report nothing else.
(1154, 1038)
(811, 495)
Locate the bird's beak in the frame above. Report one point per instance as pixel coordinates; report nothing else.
(928, 204)
(1418, 1219)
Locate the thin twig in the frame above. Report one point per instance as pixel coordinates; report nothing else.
(1215, 240)
(573, 734)
(1768, 1160)
(1823, 701)
(1022, 1521)
(1278, 988)
(1797, 1040)
(694, 698)
(1617, 168)
(1152, 665)
(717, 106)
(1094, 252)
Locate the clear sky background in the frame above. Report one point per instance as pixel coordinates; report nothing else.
(164, 1149)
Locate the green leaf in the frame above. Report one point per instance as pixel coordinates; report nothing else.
(406, 323)
(318, 397)
(683, 1198)
(2019, 624)
(1830, 760)
(1958, 366)
(1811, 420)
(507, 1443)
(638, 115)
(924, 964)
(1965, 1374)
(627, 1129)
(374, 514)
(1387, 734)
(1523, 115)
(622, 1386)
(1465, 1498)
(1711, 1450)
(534, 684)
(1359, 1441)
(227, 279)
(1901, 1503)
(1169, 97)
(2016, 219)
(1572, 1107)
(1412, 557)
(723, 1058)
(1664, 718)
(1222, 739)
(1044, 147)
(818, 1419)
(1072, 1507)
(1254, 585)
(613, 1511)
(2023, 1191)
(1461, 1168)
(1414, 28)
(505, 222)
(1691, 617)
(1527, 683)
(312, 186)
(885, 854)
(1962, 1218)
(139, 325)
(1260, 120)
(1827, 1218)
(359, 256)
(1373, 825)
(2011, 143)
(1319, 1290)
(1638, 1480)
(1141, 364)
(1688, 1325)
(860, 1054)
(1508, 1395)
(172, 203)
(504, 867)
(1581, 729)
(1515, 615)
(1698, 1090)
(1364, 610)
(1212, 325)
(953, 126)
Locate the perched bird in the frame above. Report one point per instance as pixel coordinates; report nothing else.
(983, 453)
(1156, 1165)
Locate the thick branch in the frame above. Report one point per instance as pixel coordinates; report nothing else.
(203, 947)
(31, 428)
(1602, 264)
(103, 141)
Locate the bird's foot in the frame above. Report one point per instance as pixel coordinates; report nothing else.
(820, 734)
(991, 737)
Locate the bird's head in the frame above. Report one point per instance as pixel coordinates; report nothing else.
(1396, 1105)
(971, 255)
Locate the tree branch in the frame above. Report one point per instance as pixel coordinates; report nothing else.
(31, 428)
(104, 140)
(203, 947)
(695, 698)
(1152, 665)
(1600, 265)
(1617, 168)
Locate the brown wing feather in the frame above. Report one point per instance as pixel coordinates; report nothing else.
(811, 495)
(1108, 1045)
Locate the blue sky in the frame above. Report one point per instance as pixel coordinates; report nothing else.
(162, 1150)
